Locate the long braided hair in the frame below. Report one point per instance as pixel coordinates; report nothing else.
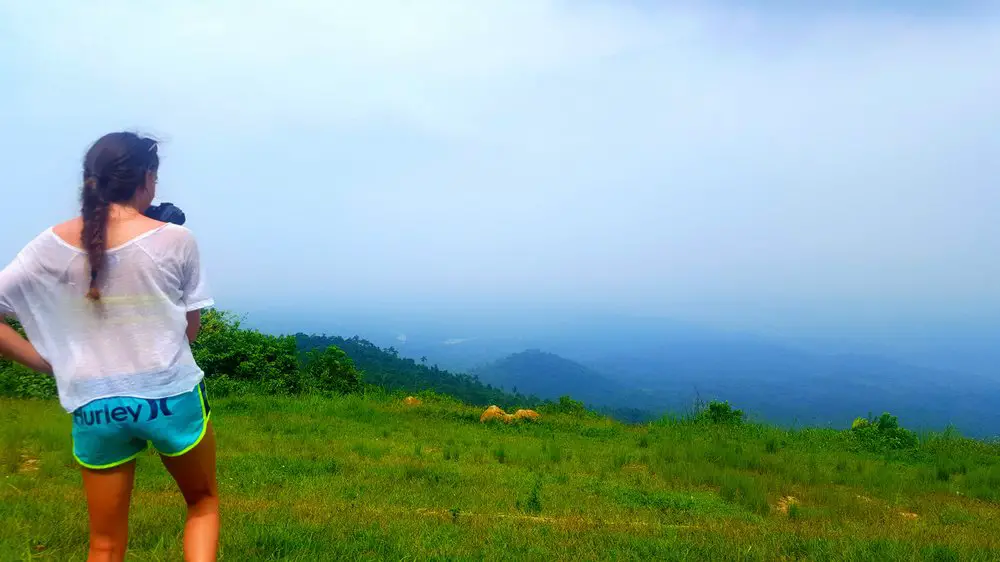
(114, 168)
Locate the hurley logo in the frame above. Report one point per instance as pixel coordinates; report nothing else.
(98, 416)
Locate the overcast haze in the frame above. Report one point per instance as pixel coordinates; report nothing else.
(746, 163)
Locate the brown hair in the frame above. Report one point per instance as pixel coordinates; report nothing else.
(114, 168)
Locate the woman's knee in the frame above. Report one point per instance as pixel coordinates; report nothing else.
(203, 500)
(107, 547)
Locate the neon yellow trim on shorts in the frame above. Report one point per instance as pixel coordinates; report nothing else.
(109, 465)
(204, 428)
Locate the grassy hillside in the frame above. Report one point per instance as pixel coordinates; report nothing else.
(311, 478)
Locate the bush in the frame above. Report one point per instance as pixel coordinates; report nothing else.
(883, 433)
(566, 405)
(20, 382)
(533, 503)
(719, 413)
(330, 370)
(432, 397)
(225, 348)
(860, 423)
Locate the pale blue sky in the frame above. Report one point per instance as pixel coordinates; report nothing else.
(753, 163)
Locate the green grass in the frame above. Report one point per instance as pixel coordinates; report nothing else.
(355, 477)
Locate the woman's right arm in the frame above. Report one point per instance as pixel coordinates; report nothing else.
(14, 347)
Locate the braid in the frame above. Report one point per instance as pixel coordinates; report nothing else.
(95, 229)
(113, 169)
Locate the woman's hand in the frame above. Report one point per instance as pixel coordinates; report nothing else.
(14, 347)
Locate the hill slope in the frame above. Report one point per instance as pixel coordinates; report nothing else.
(307, 478)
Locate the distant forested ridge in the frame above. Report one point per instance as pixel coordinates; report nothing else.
(385, 368)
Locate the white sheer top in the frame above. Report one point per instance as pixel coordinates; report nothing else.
(130, 343)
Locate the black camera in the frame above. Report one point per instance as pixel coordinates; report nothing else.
(166, 212)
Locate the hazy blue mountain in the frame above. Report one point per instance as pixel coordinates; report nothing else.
(547, 375)
(663, 365)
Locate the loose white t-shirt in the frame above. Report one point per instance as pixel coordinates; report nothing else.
(133, 341)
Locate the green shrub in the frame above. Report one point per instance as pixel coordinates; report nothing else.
(225, 348)
(20, 382)
(883, 433)
(566, 405)
(533, 503)
(437, 398)
(17, 381)
(794, 511)
(720, 413)
(330, 370)
(943, 474)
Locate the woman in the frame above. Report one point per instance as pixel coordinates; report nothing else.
(110, 302)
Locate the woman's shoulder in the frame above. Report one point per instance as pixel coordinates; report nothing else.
(175, 232)
(69, 232)
(49, 249)
(170, 240)
(55, 240)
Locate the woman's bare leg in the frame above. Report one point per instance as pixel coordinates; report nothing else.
(109, 493)
(194, 473)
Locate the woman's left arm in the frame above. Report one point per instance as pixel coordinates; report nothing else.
(193, 324)
(13, 346)
(196, 295)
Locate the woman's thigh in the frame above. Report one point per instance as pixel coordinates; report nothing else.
(194, 471)
(109, 493)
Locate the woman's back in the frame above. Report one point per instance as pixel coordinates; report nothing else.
(110, 302)
(130, 342)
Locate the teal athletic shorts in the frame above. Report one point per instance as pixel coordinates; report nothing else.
(112, 431)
